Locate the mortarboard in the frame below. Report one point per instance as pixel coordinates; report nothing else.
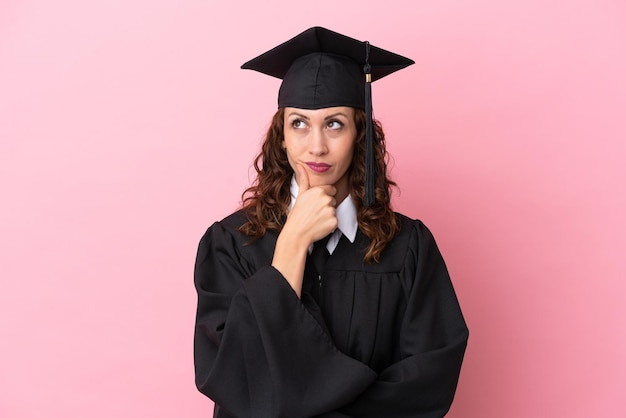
(321, 68)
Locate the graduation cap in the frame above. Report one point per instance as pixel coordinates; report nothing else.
(321, 68)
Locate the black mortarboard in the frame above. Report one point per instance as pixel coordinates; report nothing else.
(321, 68)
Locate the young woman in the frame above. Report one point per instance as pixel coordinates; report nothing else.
(316, 299)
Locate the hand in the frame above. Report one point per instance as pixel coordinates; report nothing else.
(311, 219)
(313, 215)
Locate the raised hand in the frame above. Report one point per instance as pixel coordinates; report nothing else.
(313, 215)
(311, 219)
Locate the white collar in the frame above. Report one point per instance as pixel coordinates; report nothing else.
(346, 217)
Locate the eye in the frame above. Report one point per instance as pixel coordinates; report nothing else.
(334, 124)
(298, 124)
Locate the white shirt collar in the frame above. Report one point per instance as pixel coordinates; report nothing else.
(346, 217)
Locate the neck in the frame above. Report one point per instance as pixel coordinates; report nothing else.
(342, 191)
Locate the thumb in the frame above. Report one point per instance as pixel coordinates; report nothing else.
(302, 178)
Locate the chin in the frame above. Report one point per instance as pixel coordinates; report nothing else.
(323, 182)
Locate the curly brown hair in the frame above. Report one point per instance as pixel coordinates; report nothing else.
(266, 202)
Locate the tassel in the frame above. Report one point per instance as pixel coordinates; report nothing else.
(370, 180)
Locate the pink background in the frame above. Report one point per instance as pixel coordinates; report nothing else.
(126, 129)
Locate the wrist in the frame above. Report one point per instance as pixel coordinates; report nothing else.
(295, 241)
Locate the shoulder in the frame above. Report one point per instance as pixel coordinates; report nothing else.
(226, 229)
(225, 237)
(422, 261)
(402, 251)
(412, 242)
(420, 244)
(412, 230)
(230, 223)
(234, 221)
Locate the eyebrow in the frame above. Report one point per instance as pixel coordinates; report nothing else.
(334, 115)
(297, 114)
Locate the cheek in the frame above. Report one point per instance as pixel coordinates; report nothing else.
(292, 146)
(290, 151)
(348, 152)
(287, 141)
(349, 156)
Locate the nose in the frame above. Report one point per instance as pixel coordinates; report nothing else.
(317, 143)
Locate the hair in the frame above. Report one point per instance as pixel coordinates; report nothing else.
(266, 202)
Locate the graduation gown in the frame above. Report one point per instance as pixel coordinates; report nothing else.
(364, 340)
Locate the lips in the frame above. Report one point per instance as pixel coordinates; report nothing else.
(318, 167)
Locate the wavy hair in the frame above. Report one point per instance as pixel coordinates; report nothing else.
(266, 202)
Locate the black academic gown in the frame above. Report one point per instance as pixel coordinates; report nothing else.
(365, 340)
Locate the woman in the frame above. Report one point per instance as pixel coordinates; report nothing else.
(316, 299)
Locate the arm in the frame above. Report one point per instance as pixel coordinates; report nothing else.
(312, 218)
(433, 340)
(258, 351)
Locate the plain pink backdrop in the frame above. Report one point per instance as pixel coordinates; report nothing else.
(126, 129)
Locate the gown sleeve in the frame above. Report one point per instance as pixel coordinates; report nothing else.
(432, 344)
(258, 351)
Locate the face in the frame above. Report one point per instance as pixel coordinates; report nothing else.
(322, 141)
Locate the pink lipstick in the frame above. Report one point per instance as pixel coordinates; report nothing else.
(318, 167)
